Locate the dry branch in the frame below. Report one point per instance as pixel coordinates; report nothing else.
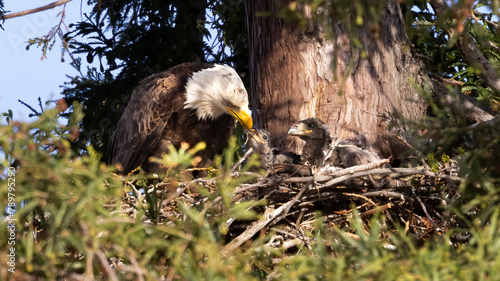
(375, 210)
(36, 10)
(247, 154)
(347, 174)
(110, 273)
(388, 194)
(277, 215)
(397, 172)
(337, 173)
(424, 208)
(463, 103)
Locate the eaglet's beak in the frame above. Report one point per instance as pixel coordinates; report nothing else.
(253, 133)
(298, 130)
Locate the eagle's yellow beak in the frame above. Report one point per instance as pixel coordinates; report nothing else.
(244, 117)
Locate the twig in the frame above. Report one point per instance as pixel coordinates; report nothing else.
(132, 269)
(89, 272)
(476, 18)
(250, 232)
(359, 168)
(324, 178)
(36, 10)
(396, 172)
(104, 262)
(323, 196)
(291, 203)
(445, 80)
(427, 213)
(246, 187)
(247, 154)
(360, 196)
(100, 256)
(202, 181)
(40, 103)
(243, 188)
(376, 209)
(284, 244)
(388, 193)
(352, 235)
(35, 113)
(175, 195)
(494, 46)
(237, 174)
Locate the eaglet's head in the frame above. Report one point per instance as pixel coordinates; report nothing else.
(310, 129)
(218, 90)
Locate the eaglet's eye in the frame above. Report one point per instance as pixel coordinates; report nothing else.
(310, 125)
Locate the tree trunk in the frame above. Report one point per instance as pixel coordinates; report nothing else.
(293, 77)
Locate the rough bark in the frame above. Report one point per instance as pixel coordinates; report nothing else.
(293, 78)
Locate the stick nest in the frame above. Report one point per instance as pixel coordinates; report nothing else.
(413, 199)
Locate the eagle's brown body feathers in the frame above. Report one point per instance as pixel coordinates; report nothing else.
(156, 117)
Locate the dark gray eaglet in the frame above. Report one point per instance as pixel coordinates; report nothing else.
(351, 152)
(319, 150)
(274, 159)
(317, 137)
(268, 154)
(190, 102)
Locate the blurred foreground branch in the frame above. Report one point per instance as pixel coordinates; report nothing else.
(36, 10)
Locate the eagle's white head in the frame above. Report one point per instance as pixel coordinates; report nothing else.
(218, 90)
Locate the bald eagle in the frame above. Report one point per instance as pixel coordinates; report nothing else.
(190, 102)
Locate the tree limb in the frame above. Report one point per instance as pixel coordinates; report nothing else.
(472, 112)
(36, 10)
(471, 53)
(395, 172)
(326, 176)
(493, 46)
(445, 80)
(473, 56)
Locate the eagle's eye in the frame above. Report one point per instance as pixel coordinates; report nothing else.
(310, 125)
(264, 137)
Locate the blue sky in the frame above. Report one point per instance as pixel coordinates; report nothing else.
(23, 74)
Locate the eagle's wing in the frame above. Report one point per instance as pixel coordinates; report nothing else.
(143, 121)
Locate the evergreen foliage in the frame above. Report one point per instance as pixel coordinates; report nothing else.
(131, 40)
(435, 40)
(75, 218)
(2, 13)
